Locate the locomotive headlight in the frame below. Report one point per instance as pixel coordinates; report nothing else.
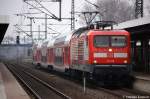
(125, 61)
(110, 50)
(95, 61)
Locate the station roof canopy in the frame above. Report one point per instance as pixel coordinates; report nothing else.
(4, 22)
(136, 26)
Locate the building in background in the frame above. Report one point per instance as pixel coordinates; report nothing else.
(20, 52)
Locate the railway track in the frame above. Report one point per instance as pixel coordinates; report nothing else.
(39, 88)
(120, 92)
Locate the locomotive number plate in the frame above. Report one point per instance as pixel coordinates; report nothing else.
(110, 55)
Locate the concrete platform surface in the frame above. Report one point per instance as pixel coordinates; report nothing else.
(9, 87)
(142, 76)
(142, 82)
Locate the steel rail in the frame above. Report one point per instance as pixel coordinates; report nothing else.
(49, 86)
(42, 82)
(22, 81)
(102, 89)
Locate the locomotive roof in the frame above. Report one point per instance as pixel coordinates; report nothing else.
(108, 32)
(39, 45)
(45, 42)
(50, 43)
(64, 39)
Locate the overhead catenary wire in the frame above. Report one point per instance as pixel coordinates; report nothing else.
(53, 16)
(37, 6)
(22, 30)
(49, 14)
(53, 30)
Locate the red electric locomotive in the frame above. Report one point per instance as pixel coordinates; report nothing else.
(102, 54)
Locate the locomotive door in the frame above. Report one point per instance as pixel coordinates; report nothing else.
(50, 56)
(59, 56)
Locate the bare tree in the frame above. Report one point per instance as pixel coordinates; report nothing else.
(113, 10)
(148, 7)
(116, 10)
(148, 10)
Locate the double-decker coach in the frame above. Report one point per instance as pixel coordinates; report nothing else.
(37, 54)
(61, 53)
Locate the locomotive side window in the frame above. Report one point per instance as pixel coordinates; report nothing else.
(101, 41)
(118, 41)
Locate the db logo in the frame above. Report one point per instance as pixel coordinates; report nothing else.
(110, 61)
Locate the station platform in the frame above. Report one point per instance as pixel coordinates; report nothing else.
(9, 87)
(142, 82)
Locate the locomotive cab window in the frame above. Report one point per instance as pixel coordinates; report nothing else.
(110, 41)
(101, 41)
(118, 41)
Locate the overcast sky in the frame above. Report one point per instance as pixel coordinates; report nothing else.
(11, 7)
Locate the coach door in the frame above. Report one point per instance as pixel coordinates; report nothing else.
(66, 56)
(59, 56)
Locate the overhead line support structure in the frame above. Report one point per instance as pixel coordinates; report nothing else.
(138, 8)
(31, 29)
(97, 7)
(42, 9)
(22, 30)
(60, 4)
(45, 26)
(88, 21)
(49, 13)
(72, 15)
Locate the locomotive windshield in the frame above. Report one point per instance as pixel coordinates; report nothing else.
(101, 41)
(107, 41)
(118, 41)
